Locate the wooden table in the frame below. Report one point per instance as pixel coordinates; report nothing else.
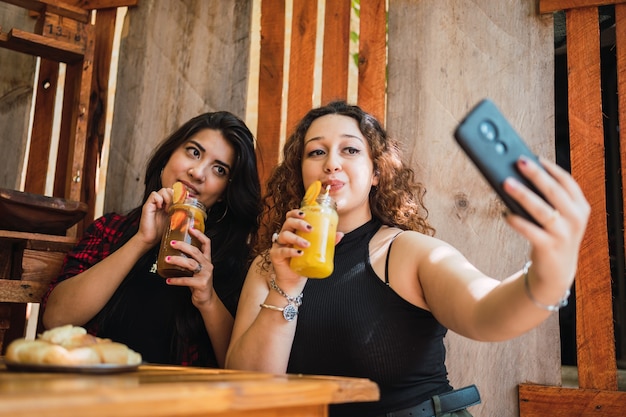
(154, 390)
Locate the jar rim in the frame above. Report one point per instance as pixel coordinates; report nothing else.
(189, 203)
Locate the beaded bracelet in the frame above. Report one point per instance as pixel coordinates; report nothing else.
(556, 307)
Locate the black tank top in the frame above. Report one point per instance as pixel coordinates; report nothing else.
(353, 324)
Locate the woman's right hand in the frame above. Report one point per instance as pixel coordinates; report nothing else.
(154, 216)
(287, 244)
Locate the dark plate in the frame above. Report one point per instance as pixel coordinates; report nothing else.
(77, 369)
(35, 213)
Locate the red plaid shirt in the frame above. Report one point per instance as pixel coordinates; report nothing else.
(100, 239)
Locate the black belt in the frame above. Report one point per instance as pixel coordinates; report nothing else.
(447, 402)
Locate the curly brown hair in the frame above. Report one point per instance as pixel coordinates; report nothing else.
(396, 201)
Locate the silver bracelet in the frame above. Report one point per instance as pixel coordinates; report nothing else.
(297, 300)
(290, 311)
(556, 307)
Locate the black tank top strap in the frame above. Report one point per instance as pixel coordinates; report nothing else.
(388, 254)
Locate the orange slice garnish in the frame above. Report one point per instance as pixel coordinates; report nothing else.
(180, 192)
(312, 192)
(177, 221)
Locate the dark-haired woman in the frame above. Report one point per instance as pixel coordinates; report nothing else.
(108, 283)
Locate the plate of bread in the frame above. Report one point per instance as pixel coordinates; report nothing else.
(70, 349)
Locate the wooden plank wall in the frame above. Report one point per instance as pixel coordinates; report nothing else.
(597, 367)
(17, 72)
(444, 56)
(301, 70)
(176, 60)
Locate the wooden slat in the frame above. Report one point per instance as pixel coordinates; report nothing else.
(620, 52)
(270, 85)
(17, 291)
(102, 4)
(35, 240)
(13, 318)
(336, 55)
(597, 366)
(53, 6)
(302, 62)
(38, 45)
(41, 266)
(542, 401)
(63, 163)
(73, 132)
(104, 36)
(62, 29)
(41, 135)
(373, 58)
(549, 6)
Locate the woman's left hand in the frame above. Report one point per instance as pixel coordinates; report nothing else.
(563, 218)
(199, 262)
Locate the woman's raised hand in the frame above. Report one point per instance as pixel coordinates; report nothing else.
(154, 216)
(563, 218)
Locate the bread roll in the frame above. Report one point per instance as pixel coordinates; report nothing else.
(117, 353)
(70, 345)
(63, 333)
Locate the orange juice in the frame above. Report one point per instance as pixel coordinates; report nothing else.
(184, 216)
(317, 261)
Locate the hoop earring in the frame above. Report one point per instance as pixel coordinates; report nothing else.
(223, 215)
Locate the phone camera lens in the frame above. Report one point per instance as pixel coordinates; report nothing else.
(488, 130)
(500, 148)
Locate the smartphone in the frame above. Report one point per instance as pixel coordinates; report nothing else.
(494, 147)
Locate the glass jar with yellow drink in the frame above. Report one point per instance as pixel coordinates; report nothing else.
(190, 213)
(317, 261)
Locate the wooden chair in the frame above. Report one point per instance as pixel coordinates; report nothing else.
(28, 262)
(64, 34)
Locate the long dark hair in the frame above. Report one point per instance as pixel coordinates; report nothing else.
(232, 225)
(237, 213)
(396, 201)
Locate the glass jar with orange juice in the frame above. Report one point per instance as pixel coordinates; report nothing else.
(183, 215)
(320, 211)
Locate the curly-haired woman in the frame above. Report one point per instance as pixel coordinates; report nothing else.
(395, 289)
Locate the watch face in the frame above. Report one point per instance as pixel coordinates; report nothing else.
(290, 312)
